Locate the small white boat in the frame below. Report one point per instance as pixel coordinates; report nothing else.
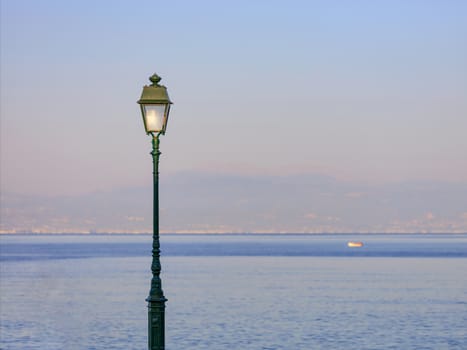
(352, 244)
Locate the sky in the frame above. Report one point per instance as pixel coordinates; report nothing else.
(368, 94)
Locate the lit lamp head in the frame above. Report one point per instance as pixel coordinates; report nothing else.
(155, 106)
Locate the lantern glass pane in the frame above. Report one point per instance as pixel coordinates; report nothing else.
(154, 117)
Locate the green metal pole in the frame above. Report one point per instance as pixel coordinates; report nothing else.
(156, 300)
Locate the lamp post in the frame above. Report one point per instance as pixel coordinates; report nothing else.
(155, 107)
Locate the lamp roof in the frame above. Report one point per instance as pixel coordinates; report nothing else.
(154, 93)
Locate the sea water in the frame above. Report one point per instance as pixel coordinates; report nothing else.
(236, 292)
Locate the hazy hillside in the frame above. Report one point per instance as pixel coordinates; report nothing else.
(196, 202)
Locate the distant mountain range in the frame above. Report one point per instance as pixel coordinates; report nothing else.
(217, 203)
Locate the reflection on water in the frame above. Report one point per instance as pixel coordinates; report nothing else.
(235, 302)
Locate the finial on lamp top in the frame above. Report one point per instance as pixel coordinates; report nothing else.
(155, 79)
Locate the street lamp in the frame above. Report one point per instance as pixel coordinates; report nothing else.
(155, 107)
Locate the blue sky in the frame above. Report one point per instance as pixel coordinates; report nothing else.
(368, 92)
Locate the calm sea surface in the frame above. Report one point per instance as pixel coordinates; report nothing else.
(236, 292)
